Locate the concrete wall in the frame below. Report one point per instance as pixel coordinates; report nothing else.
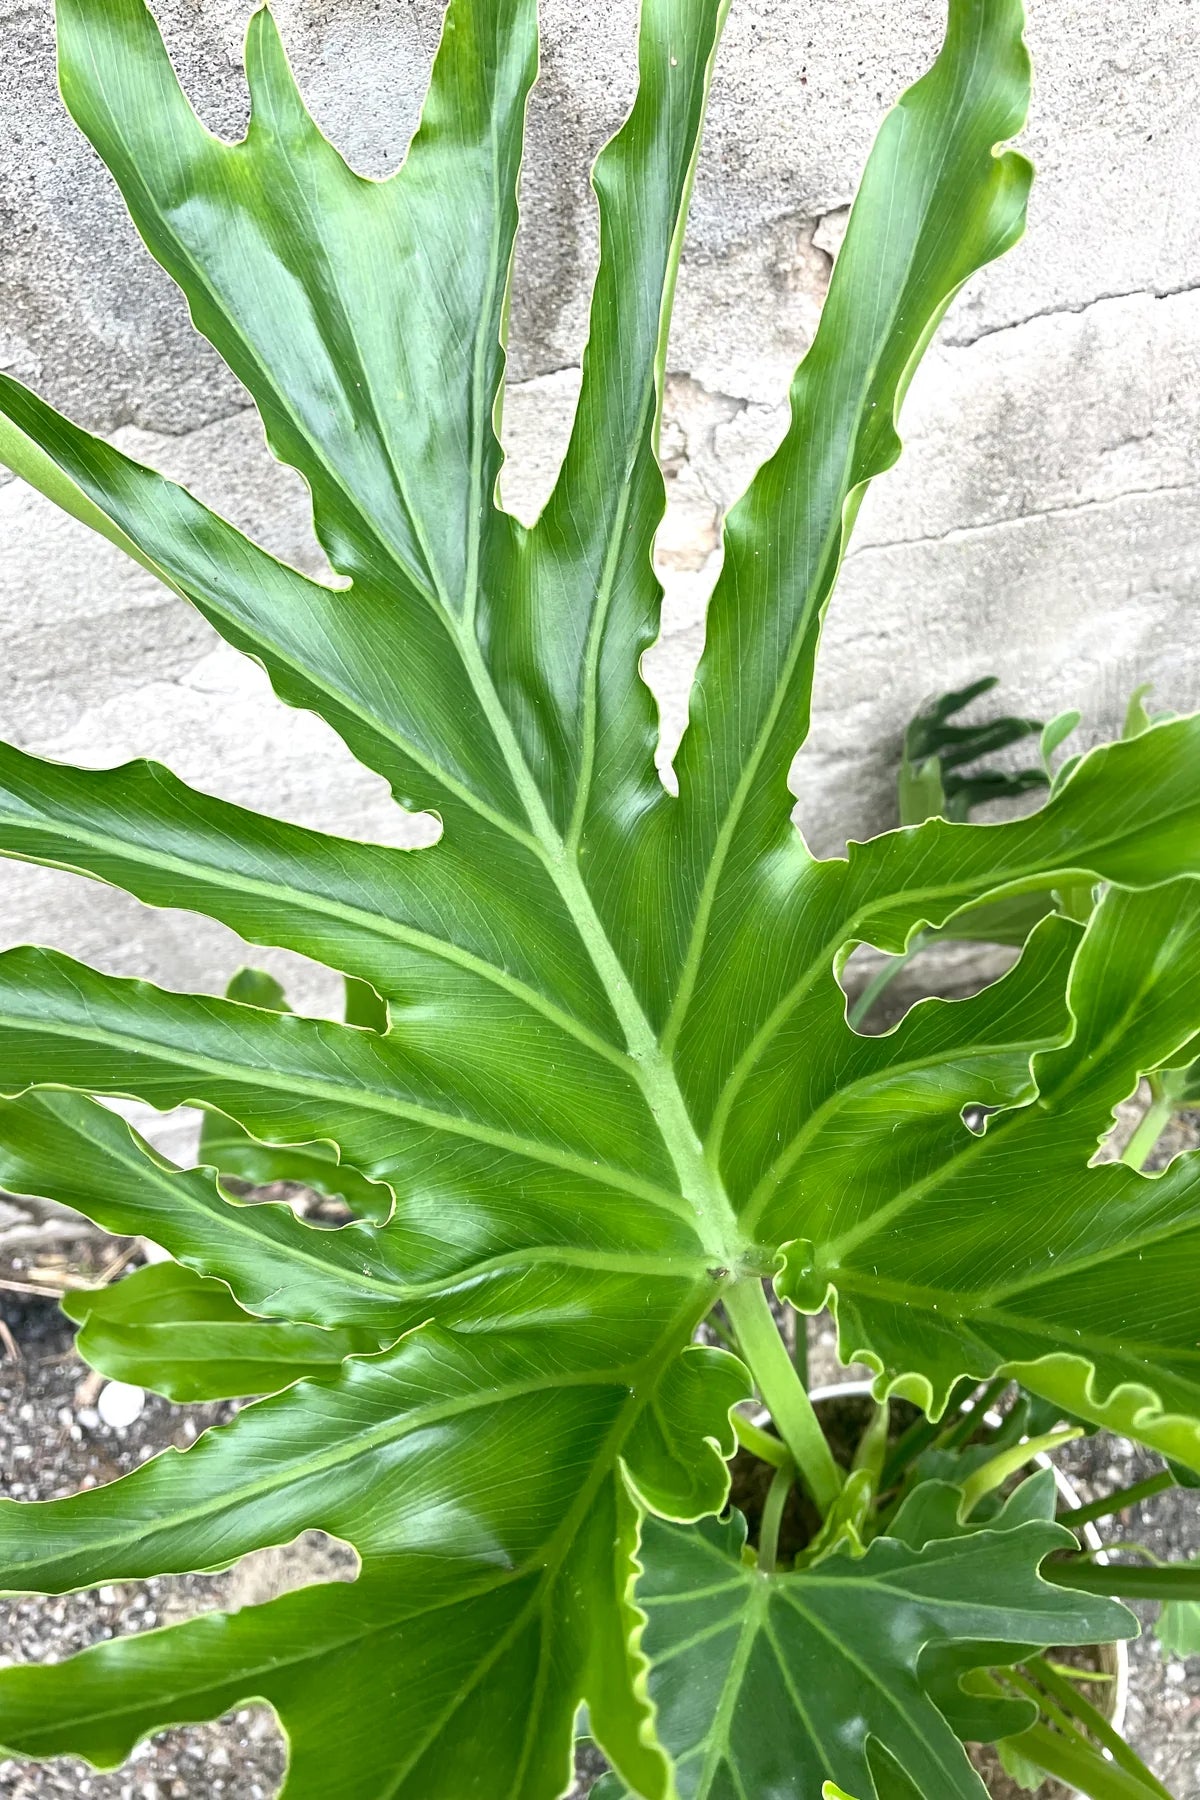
(1045, 524)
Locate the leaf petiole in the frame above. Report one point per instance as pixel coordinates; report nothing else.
(772, 1519)
(1158, 1115)
(970, 1418)
(760, 1443)
(1108, 1504)
(1082, 1767)
(881, 981)
(1069, 1698)
(1128, 1581)
(921, 1434)
(782, 1390)
(1046, 1704)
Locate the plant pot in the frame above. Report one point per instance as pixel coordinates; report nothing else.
(1113, 1659)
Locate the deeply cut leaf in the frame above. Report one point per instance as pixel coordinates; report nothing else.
(1006, 1250)
(474, 1602)
(615, 1075)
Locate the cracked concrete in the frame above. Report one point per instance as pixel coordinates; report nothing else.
(1044, 521)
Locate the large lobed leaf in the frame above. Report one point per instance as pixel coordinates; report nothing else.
(616, 1075)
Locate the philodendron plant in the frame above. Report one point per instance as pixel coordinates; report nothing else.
(597, 1082)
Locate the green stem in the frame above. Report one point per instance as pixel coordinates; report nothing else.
(1109, 1504)
(715, 1325)
(1046, 1704)
(1157, 1117)
(1128, 1581)
(800, 1354)
(964, 1427)
(782, 1390)
(920, 1434)
(1069, 1697)
(760, 1443)
(1080, 1766)
(880, 982)
(772, 1519)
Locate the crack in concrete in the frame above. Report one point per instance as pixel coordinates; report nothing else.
(964, 341)
(1039, 512)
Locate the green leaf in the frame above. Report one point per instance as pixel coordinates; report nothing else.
(1008, 1251)
(183, 1335)
(425, 1109)
(417, 926)
(319, 1657)
(932, 781)
(231, 1151)
(68, 1146)
(1056, 732)
(778, 1684)
(594, 1031)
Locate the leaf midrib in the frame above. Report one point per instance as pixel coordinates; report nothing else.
(703, 1192)
(702, 1189)
(894, 1702)
(361, 1443)
(1016, 1119)
(719, 1746)
(817, 590)
(643, 1381)
(226, 1216)
(971, 1312)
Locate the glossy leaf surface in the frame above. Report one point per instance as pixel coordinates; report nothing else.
(1007, 1250)
(616, 1075)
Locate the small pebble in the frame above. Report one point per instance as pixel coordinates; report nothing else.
(120, 1404)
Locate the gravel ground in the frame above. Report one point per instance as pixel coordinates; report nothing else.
(53, 1441)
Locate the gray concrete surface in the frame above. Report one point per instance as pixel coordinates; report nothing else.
(1045, 523)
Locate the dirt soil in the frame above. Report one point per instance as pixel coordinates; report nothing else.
(54, 1441)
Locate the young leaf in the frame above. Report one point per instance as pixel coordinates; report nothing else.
(1056, 732)
(780, 1684)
